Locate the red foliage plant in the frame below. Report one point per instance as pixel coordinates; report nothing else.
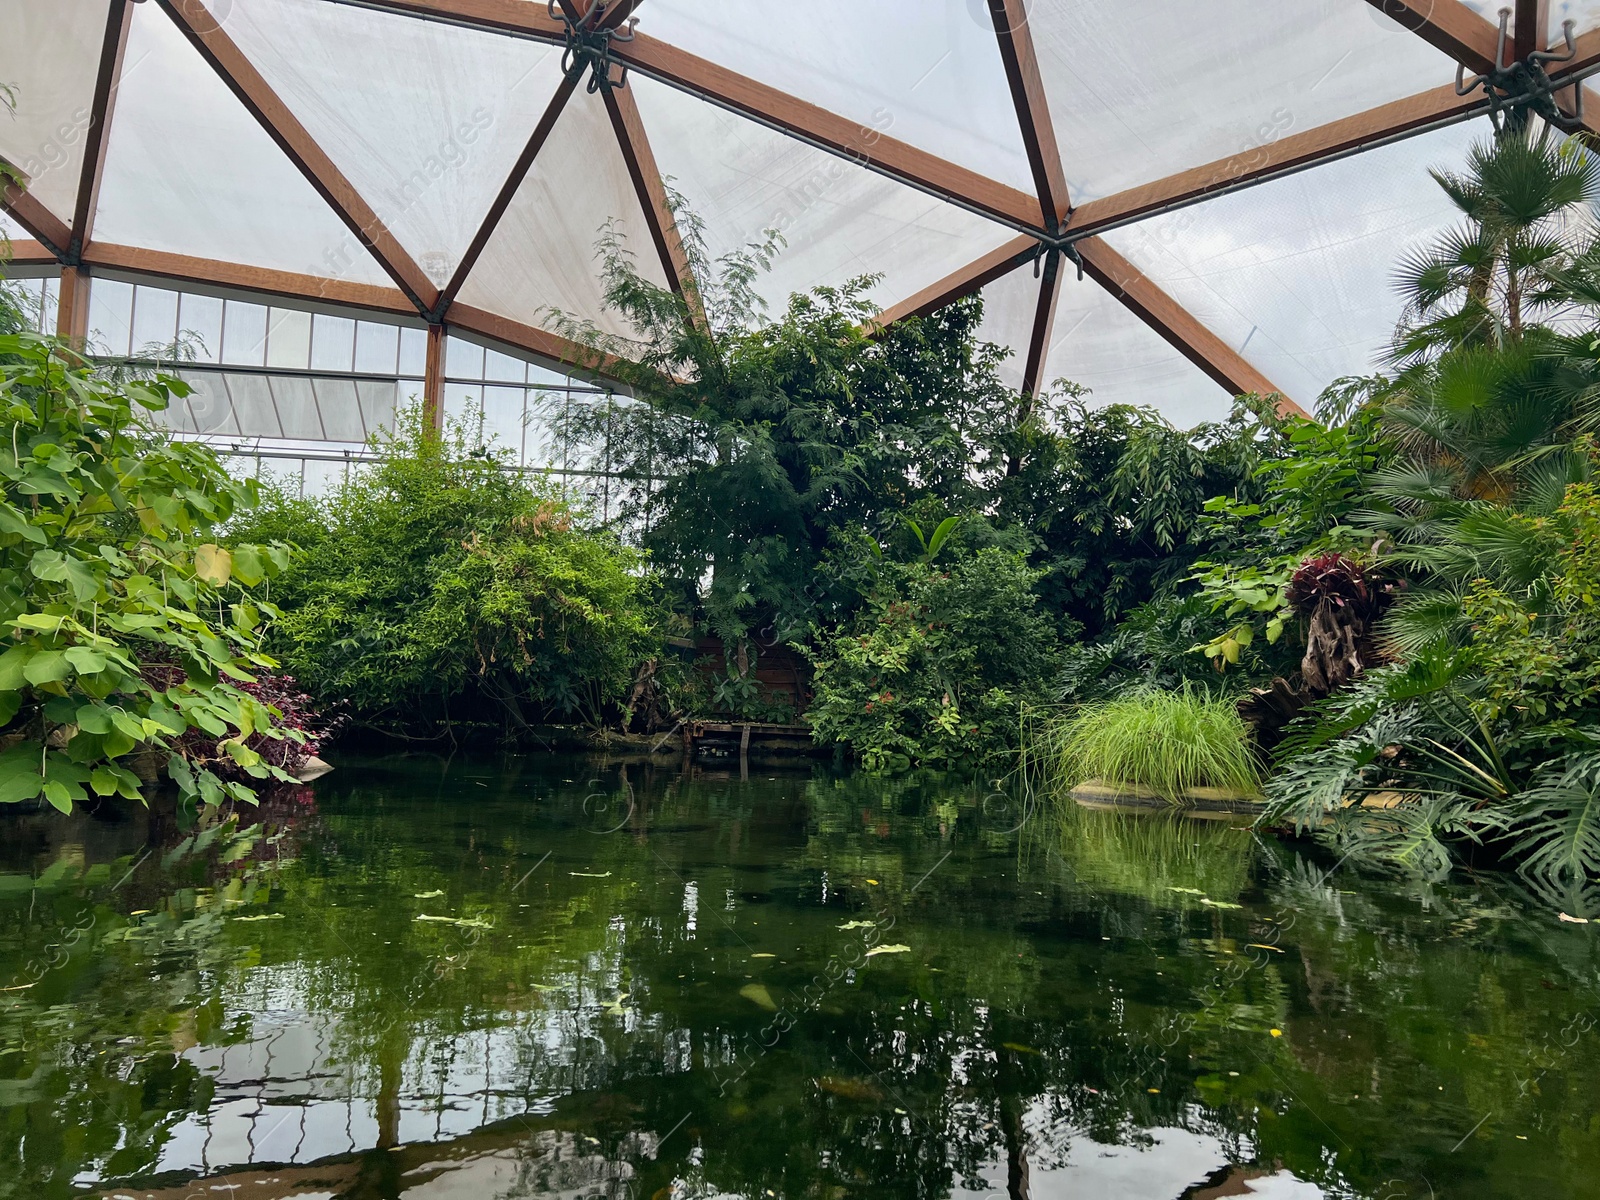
(295, 712)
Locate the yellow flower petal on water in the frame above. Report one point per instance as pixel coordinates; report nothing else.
(1275, 1032)
(873, 882)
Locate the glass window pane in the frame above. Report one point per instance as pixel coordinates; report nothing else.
(502, 368)
(377, 348)
(333, 343)
(413, 352)
(377, 404)
(252, 412)
(465, 405)
(542, 441)
(297, 409)
(462, 359)
(502, 419)
(155, 319)
(200, 323)
(289, 339)
(341, 411)
(111, 315)
(244, 333)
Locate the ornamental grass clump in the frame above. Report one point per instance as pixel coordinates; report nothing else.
(1168, 742)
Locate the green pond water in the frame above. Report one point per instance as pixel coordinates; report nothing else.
(544, 977)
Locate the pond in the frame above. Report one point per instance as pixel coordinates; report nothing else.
(543, 977)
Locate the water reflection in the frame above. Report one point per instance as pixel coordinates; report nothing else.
(543, 978)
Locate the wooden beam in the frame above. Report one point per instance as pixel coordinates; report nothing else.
(242, 78)
(72, 311)
(25, 252)
(46, 228)
(652, 192)
(1447, 25)
(970, 278)
(433, 378)
(530, 338)
(1288, 153)
(1033, 111)
(181, 268)
(1177, 326)
(1044, 321)
(524, 18)
(1530, 28)
(868, 146)
(119, 19)
(508, 190)
(862, 144)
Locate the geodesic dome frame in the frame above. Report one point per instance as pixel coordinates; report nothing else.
(1168, 201)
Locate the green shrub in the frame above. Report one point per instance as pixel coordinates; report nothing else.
(1168, 742)
(127, 630)
(439, 587)
(937, 667)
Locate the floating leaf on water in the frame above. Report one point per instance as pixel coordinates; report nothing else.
(1019, 1048)
(873, 882)
(1573, 920)
(463, 922)
(543, 987)
(433, 895)
(757, 994)
(615, 1008)
(763, 956)
(897, 948)
(262, 917)
(850, 1089)
(1187, 891)
(588, 875)
(1218, 903)
(859, 925)
(1263, 946)
(140, 912)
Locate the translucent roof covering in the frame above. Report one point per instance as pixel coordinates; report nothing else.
(1235, 178)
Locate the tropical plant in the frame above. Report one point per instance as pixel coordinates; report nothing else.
(773, 437)
(1168, 742)
(442, 587)
(935, 670)
(1482, 283)
(130, 633)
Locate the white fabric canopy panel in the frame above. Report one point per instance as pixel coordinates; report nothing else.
(1297, 275)
(543, 253)
(838, 220)
(53, 83)
(1010, 305)
(425, 120)
(1585, 14)
(1142, 91)
(927, 72)
(1097, 343)
(190, 171)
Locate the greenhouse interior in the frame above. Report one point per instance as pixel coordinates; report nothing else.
(915, 512)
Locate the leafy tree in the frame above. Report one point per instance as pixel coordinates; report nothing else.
(775, 437)
(126, 626)
(936, 669)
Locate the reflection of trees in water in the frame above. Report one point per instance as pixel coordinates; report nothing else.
(552, 1048)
